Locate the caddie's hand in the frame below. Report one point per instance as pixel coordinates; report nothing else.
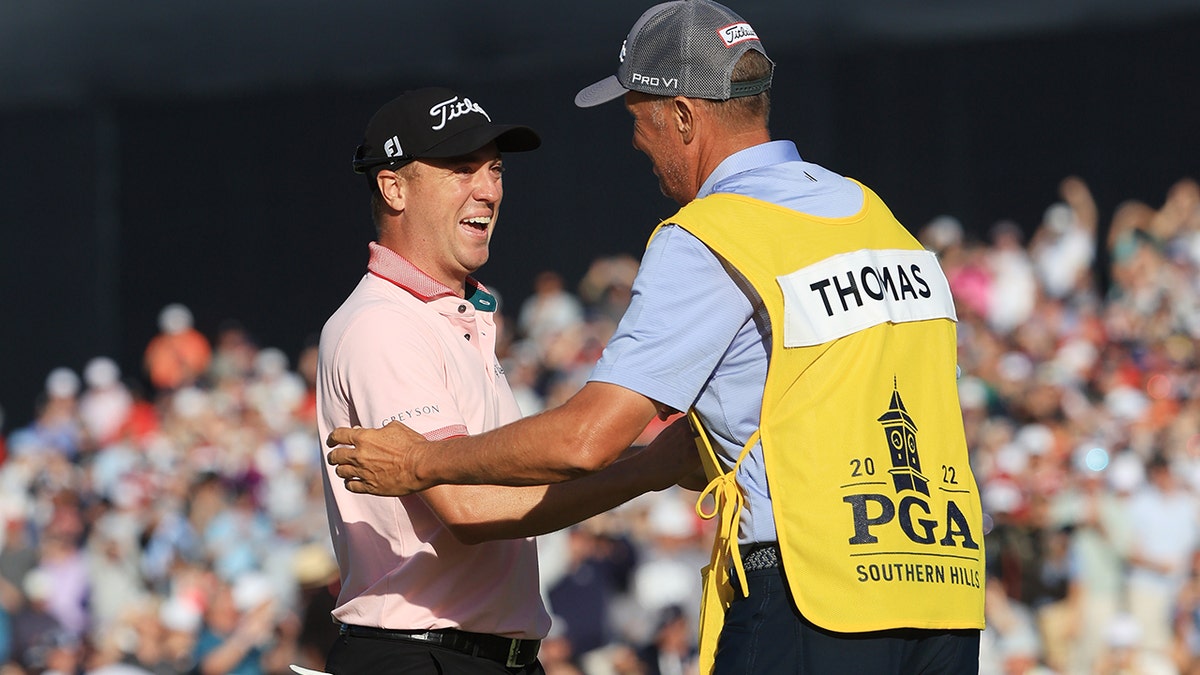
(376, 461)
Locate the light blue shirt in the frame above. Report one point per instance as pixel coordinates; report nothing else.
(690, 338)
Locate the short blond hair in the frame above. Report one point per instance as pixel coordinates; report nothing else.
(379, 208)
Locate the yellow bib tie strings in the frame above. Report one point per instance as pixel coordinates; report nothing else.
(727, 508)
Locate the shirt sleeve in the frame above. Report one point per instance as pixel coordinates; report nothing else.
(683, 316)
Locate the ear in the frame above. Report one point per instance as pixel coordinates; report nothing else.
(391, 187)
(683, 116)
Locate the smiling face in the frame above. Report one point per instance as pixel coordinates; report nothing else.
(448, 213)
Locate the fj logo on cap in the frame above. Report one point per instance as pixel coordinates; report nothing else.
(735, 33)
(392, 147)
(448, 110)
(621, 56)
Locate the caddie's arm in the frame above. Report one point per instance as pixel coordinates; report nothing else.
(479, 513)
(582, 436)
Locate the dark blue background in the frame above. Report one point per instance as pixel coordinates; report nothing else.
(240, 202)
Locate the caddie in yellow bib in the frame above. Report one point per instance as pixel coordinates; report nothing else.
(879, 521)
(812, 341)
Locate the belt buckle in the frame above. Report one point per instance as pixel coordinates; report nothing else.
(514, 652)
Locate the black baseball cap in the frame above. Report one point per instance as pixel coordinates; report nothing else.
(682, 48)
(434, 122)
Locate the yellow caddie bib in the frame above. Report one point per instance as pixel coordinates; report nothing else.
(875, 505)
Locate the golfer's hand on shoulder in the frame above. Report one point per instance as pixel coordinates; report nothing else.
(376, 461)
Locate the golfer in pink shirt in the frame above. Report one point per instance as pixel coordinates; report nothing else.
(445, 580)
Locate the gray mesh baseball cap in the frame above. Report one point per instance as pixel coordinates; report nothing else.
(681, 48)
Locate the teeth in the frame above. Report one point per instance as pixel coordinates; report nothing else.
(481, 220)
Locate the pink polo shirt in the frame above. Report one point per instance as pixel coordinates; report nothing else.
(404, 347)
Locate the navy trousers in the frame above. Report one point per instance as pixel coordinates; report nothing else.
(765, 634)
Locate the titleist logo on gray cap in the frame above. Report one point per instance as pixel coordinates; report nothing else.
(682, 48)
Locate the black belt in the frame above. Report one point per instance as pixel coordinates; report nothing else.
(513, 653)
(760, 556)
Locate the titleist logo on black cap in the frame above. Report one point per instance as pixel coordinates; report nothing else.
(434, 122)
(447, 110)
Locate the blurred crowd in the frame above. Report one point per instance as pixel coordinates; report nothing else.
(169, 518)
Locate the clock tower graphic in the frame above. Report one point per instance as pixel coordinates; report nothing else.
(901, 433)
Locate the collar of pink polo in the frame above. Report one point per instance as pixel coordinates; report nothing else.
(391, 266)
